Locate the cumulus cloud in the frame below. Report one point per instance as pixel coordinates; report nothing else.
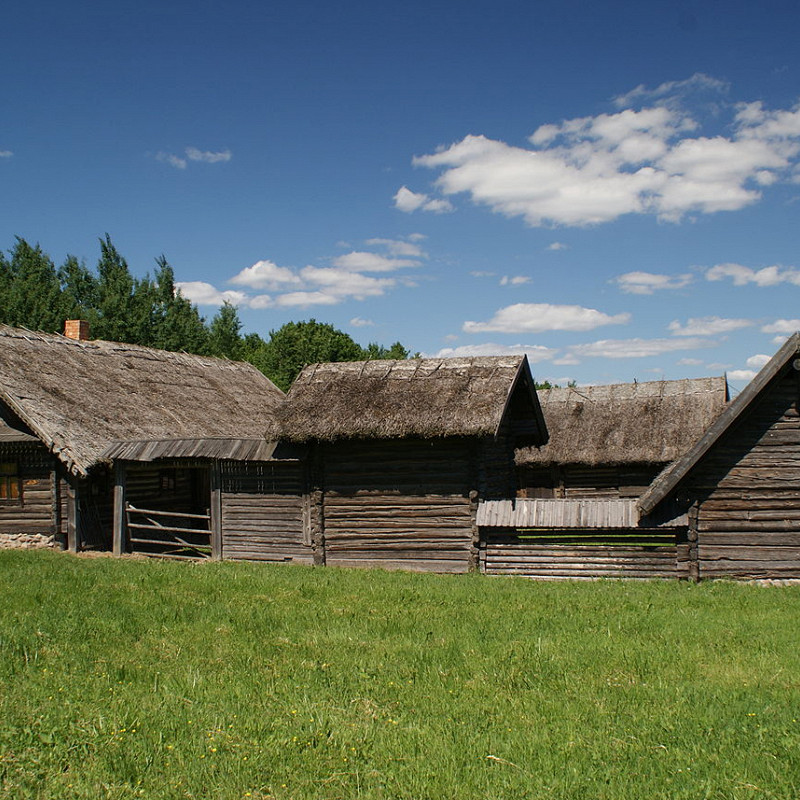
(6, 153)
(741, 375)
(266, 275)
(363, 261)
(556, 246)
(741, 275)
(636, 348)
(757, 361)
(514, 280)
(171, 159)
(690, 362)
(535, 352)
(204, 294)
(358, 322)
(408, 201)
(539, 317)
(400, 247)
(652, 159)
(193, 154)
(707, 326)
(785, 326)
(649, 282)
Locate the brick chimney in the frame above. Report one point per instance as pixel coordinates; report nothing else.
(77, 329)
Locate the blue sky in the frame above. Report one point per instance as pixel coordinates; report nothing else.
(612, 188)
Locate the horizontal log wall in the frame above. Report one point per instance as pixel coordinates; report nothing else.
(33, 512)
(263, 512)
(584, 480)
(399, 504)
(748, 485)
(585, 554)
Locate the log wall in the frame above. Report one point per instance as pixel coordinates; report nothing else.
(402, 504)
(585, 480)
(586, 554)
(33, 512)
(265, 512)
(747, 490)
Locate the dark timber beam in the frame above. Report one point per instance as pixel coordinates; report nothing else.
(120, 527)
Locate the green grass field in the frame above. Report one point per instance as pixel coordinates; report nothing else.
(131, 678)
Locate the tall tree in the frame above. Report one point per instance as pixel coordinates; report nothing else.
(78, 291)
(296, 344)
(177, 323)
(224, 339)
(33, 294)
(118, 308)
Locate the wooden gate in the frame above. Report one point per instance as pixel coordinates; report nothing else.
(168, 534)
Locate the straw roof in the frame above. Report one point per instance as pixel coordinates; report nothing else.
(785, 360)
(80, 396)
(422, 398)
(626, 423)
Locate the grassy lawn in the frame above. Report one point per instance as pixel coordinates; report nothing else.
(128, 678)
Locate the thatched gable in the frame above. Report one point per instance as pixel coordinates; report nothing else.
(785, 361)
(80, 396)
(628, 423)
(421, 398)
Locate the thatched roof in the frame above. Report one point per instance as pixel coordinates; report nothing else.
(421, 398)
(80, 396)
(626, 423)
(786, 359)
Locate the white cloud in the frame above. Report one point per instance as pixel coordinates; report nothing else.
(399, 247)
(707, 326)
(649, 282)
(741, 275)
(534, 352)
(757, 361)
(786, 326)
(516, 280)
(193, 154)
(636, 348)
(408, 201)
(6, 153)
(358, 322)
(649, 160)
(305, 299)
(362, 261)
(172, 160)
(741, 375)
(539, 317)
(340, 283)
(266, 275)
(477, 273)
(557, 246)
(204, 294)
(690, 362)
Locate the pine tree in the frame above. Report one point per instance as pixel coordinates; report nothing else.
(177, 323)
(224, 339)
(33, 292)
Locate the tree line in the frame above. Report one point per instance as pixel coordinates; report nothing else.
(38, 295)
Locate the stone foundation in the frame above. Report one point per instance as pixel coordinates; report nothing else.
(25, 541)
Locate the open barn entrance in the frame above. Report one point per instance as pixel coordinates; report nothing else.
(167, 510)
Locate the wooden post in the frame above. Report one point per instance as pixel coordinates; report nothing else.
(694, 562)
(120, 538)
(216, 512)
(73, 516)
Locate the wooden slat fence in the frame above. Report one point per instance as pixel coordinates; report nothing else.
(168, 534)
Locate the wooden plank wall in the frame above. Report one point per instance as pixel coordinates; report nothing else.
(401, 504)
(748, 514)
(33, 512)
(263, 512)
(585, 480)
(579, 554)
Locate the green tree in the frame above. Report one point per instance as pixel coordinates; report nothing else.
(224, 339)
(177, 324)
(376, 351)
(124, 304)
(78, 291)
(33, 291)
(296, 344)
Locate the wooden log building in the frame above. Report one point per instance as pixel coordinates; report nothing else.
(576, 514)
(167, 450)
(402, 452)
(740, 482)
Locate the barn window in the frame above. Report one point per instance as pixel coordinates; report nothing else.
(10, 483)
(166, 481)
